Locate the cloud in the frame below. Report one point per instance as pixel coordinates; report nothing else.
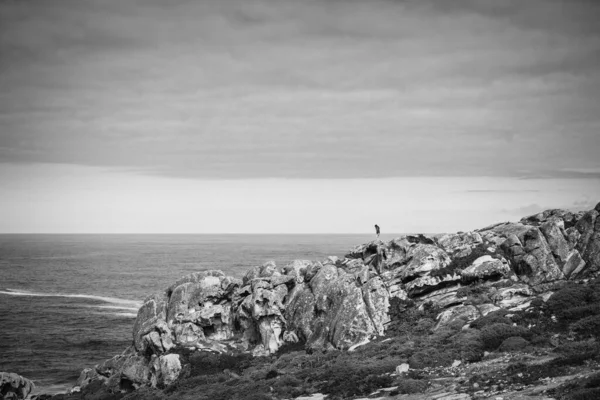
(337, 89)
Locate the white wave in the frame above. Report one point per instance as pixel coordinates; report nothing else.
(113, 300)
(115, 308)
(122, 314)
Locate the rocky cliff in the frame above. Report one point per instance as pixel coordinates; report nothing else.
(342, 303)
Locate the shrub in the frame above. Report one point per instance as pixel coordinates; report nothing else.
(572, 348)
(585, 394)
(495, 317)
(409, 386)
(569, 297)
(513, 343)
(493, 335)
(433, 357)
(469, 345)
(576, 313)
(588, 326)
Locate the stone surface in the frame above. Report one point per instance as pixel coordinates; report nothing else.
(166, 370)
(486, 267)
(14, 386)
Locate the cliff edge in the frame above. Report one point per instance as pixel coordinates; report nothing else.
(344, 303)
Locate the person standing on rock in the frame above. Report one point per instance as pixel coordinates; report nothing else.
(377, 230)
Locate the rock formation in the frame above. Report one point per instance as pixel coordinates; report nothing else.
(342, 302)
(13, 386)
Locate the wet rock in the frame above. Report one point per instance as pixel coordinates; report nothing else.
(14, 386)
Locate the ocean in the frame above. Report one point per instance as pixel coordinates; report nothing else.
(68, 302)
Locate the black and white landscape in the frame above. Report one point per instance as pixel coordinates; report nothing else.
(146, 145)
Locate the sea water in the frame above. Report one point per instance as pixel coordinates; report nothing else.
(68, 302)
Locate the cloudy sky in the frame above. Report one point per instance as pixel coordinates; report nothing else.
(295, 115)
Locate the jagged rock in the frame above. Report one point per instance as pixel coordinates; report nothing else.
(460, 243)
(444, 297)
(555, 236)
(14, 386)
(485, 309)
(85, 378)
(166, 370)
(428, 284)
(574, 265)
(589, 242)
(340, 316)
(344, 303)
(151, 314)
(137, 370)
(297, 269)
(531, 255)
(486, 267)
(467, 313)
(422, 259)
(512, 296)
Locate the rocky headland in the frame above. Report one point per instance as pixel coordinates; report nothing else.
(509, 311)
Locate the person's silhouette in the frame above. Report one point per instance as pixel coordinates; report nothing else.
(377, 230)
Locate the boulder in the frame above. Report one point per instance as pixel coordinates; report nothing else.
(589, 242)
(531, 256)
(486, 267)
(14, 386)
(459, 242)
(467, 313)
(166, 370)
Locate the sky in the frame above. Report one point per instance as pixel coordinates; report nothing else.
(295, 116)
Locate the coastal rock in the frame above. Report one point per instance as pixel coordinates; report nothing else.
(466, 313)
(531, 256)
(14, 386)
(512, 296)
(459, 243)
(151, 317)
(589, 242)
(486, 267)
(343, 303)
(166, 370)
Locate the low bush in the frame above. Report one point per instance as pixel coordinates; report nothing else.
(433, 357)
(409, 386)
(513, 343)
(589, 326)
(493, 335)
(495, 317)
(569, 297)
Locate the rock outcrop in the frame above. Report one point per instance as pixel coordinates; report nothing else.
(343, 302)
(14, 386)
